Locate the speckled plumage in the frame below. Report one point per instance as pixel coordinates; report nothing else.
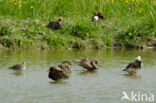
(56, 75)
(66, 66)
(134, 67)
(19, 66)
(88, 64)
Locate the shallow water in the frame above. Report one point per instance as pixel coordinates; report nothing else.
(102, 86)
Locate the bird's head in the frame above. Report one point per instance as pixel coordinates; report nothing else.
(52, 69)
(23, 63)
(138, 58)
(60, 19)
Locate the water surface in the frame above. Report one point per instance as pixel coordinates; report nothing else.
(103, 86)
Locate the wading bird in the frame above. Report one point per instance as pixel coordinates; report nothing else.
(88, 64)
(19, 66)
(56, 75)
(66, 66)
(134, 67)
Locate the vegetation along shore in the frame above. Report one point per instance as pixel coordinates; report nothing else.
(125, 23)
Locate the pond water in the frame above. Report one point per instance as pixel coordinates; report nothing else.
(102, 86)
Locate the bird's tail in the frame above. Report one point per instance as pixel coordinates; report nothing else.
(125, 69)
(60, 66)
(66, 77)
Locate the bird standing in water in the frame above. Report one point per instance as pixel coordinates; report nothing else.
(66, 66)
(19, 66)
(88, 64)
(56, 75)
(134, 67)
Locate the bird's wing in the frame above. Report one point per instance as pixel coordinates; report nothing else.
(62, 66)
(17, 66)
(61, 74)
(86, 65)
(128, 66)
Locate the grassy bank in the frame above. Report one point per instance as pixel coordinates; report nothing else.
(126, 23)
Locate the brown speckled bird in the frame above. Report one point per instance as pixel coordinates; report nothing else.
(66, 66)
(56, 74)
(55, 25)
(134, 67)
(88, 64)
(19, 66)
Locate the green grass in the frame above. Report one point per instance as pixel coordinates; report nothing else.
(125, 23)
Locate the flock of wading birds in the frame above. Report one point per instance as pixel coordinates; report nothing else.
(86, 63)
